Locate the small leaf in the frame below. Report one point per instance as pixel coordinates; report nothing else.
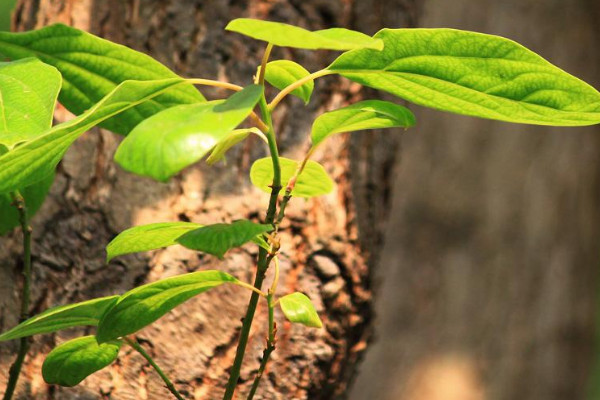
(148, 237)
(145, 304)
(36, 159)
(216, 239)
(282, 73)
(62, 317)
(285, 35)
(93, 67)
(368, 114)
(313, 181)
(234, 137)
(472, 74)
(173, 139)
(28, 95)
(75, 360)
(34, 196)
(298, 308)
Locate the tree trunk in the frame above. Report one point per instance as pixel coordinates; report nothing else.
(490, 271)
(329, 247)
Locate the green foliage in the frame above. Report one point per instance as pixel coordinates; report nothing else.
(473, 74)
(6, 7)
(313, 181)
(75, 360)
(92, 68)
(145, 304)
(282, 73)
(285, 35)
(173, 139)
(217, 239)
(231, 139)
(62, 317)
(148, 237)
(298, 308)
(368, 114)
(36, 159)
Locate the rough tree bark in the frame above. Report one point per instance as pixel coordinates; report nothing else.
(330, 246)
(493, 250)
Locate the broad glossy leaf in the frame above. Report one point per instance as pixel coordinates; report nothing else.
(173, 139)
(28, 91)
(34, 196)
(231, 139)
(298, 308)
(75, 360)
(148, 237)
(145, 304)
(473, 74)
(216, 239)
(313, 181)
(93, 67)
(282, 73)
(285, 35)
(36, 159)
(62, 317)
(368, 114)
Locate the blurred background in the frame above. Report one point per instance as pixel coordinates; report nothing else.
(486, 286)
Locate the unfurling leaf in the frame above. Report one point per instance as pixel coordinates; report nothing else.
(313, 181)
(368, 114)
(75, 360)
(216, 239)
(473, 74)
(173, 139)
(93, 67)
(62, 317)
(36, 159)
(145, 304)
(298, 308)
(231, 139)
(148, 237)
(285, 35)
(282, 73)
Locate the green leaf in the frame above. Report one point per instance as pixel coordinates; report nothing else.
(75, 360)
(313, 181)
(173, 139)
(147, 237)
(145, 304)
(216, 239)
(234, 137)
(473, 74)
(285, 35)
(282, 73)
(36, 159)
(93, 67)
(34, 196)
(62, 317)
(28, 91)
(368, 114)
(298, 308)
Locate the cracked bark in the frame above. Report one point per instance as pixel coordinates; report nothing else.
(330, 244)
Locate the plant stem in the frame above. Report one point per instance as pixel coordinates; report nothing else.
(137, 347)
(249, 286)
(15, 369)
(263, 64)
(210, 82)
(296, 85)
(263, 257)
(268, 350)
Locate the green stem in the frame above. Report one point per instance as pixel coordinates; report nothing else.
(15, 369)
(296, 85)
(268, 350)
(263, 257)
(137, 347)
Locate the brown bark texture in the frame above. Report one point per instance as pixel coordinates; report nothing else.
(490, 270)
(330, 244)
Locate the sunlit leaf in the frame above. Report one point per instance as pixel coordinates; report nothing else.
(75, 360)
(173, 139)
(231, 139)
(145, 304)
(313, 181)
(282, 73)
(298, 308)
(285, 35)
(216, 239)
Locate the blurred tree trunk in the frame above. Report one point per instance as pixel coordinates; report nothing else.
(331, 256)
(491, 264)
